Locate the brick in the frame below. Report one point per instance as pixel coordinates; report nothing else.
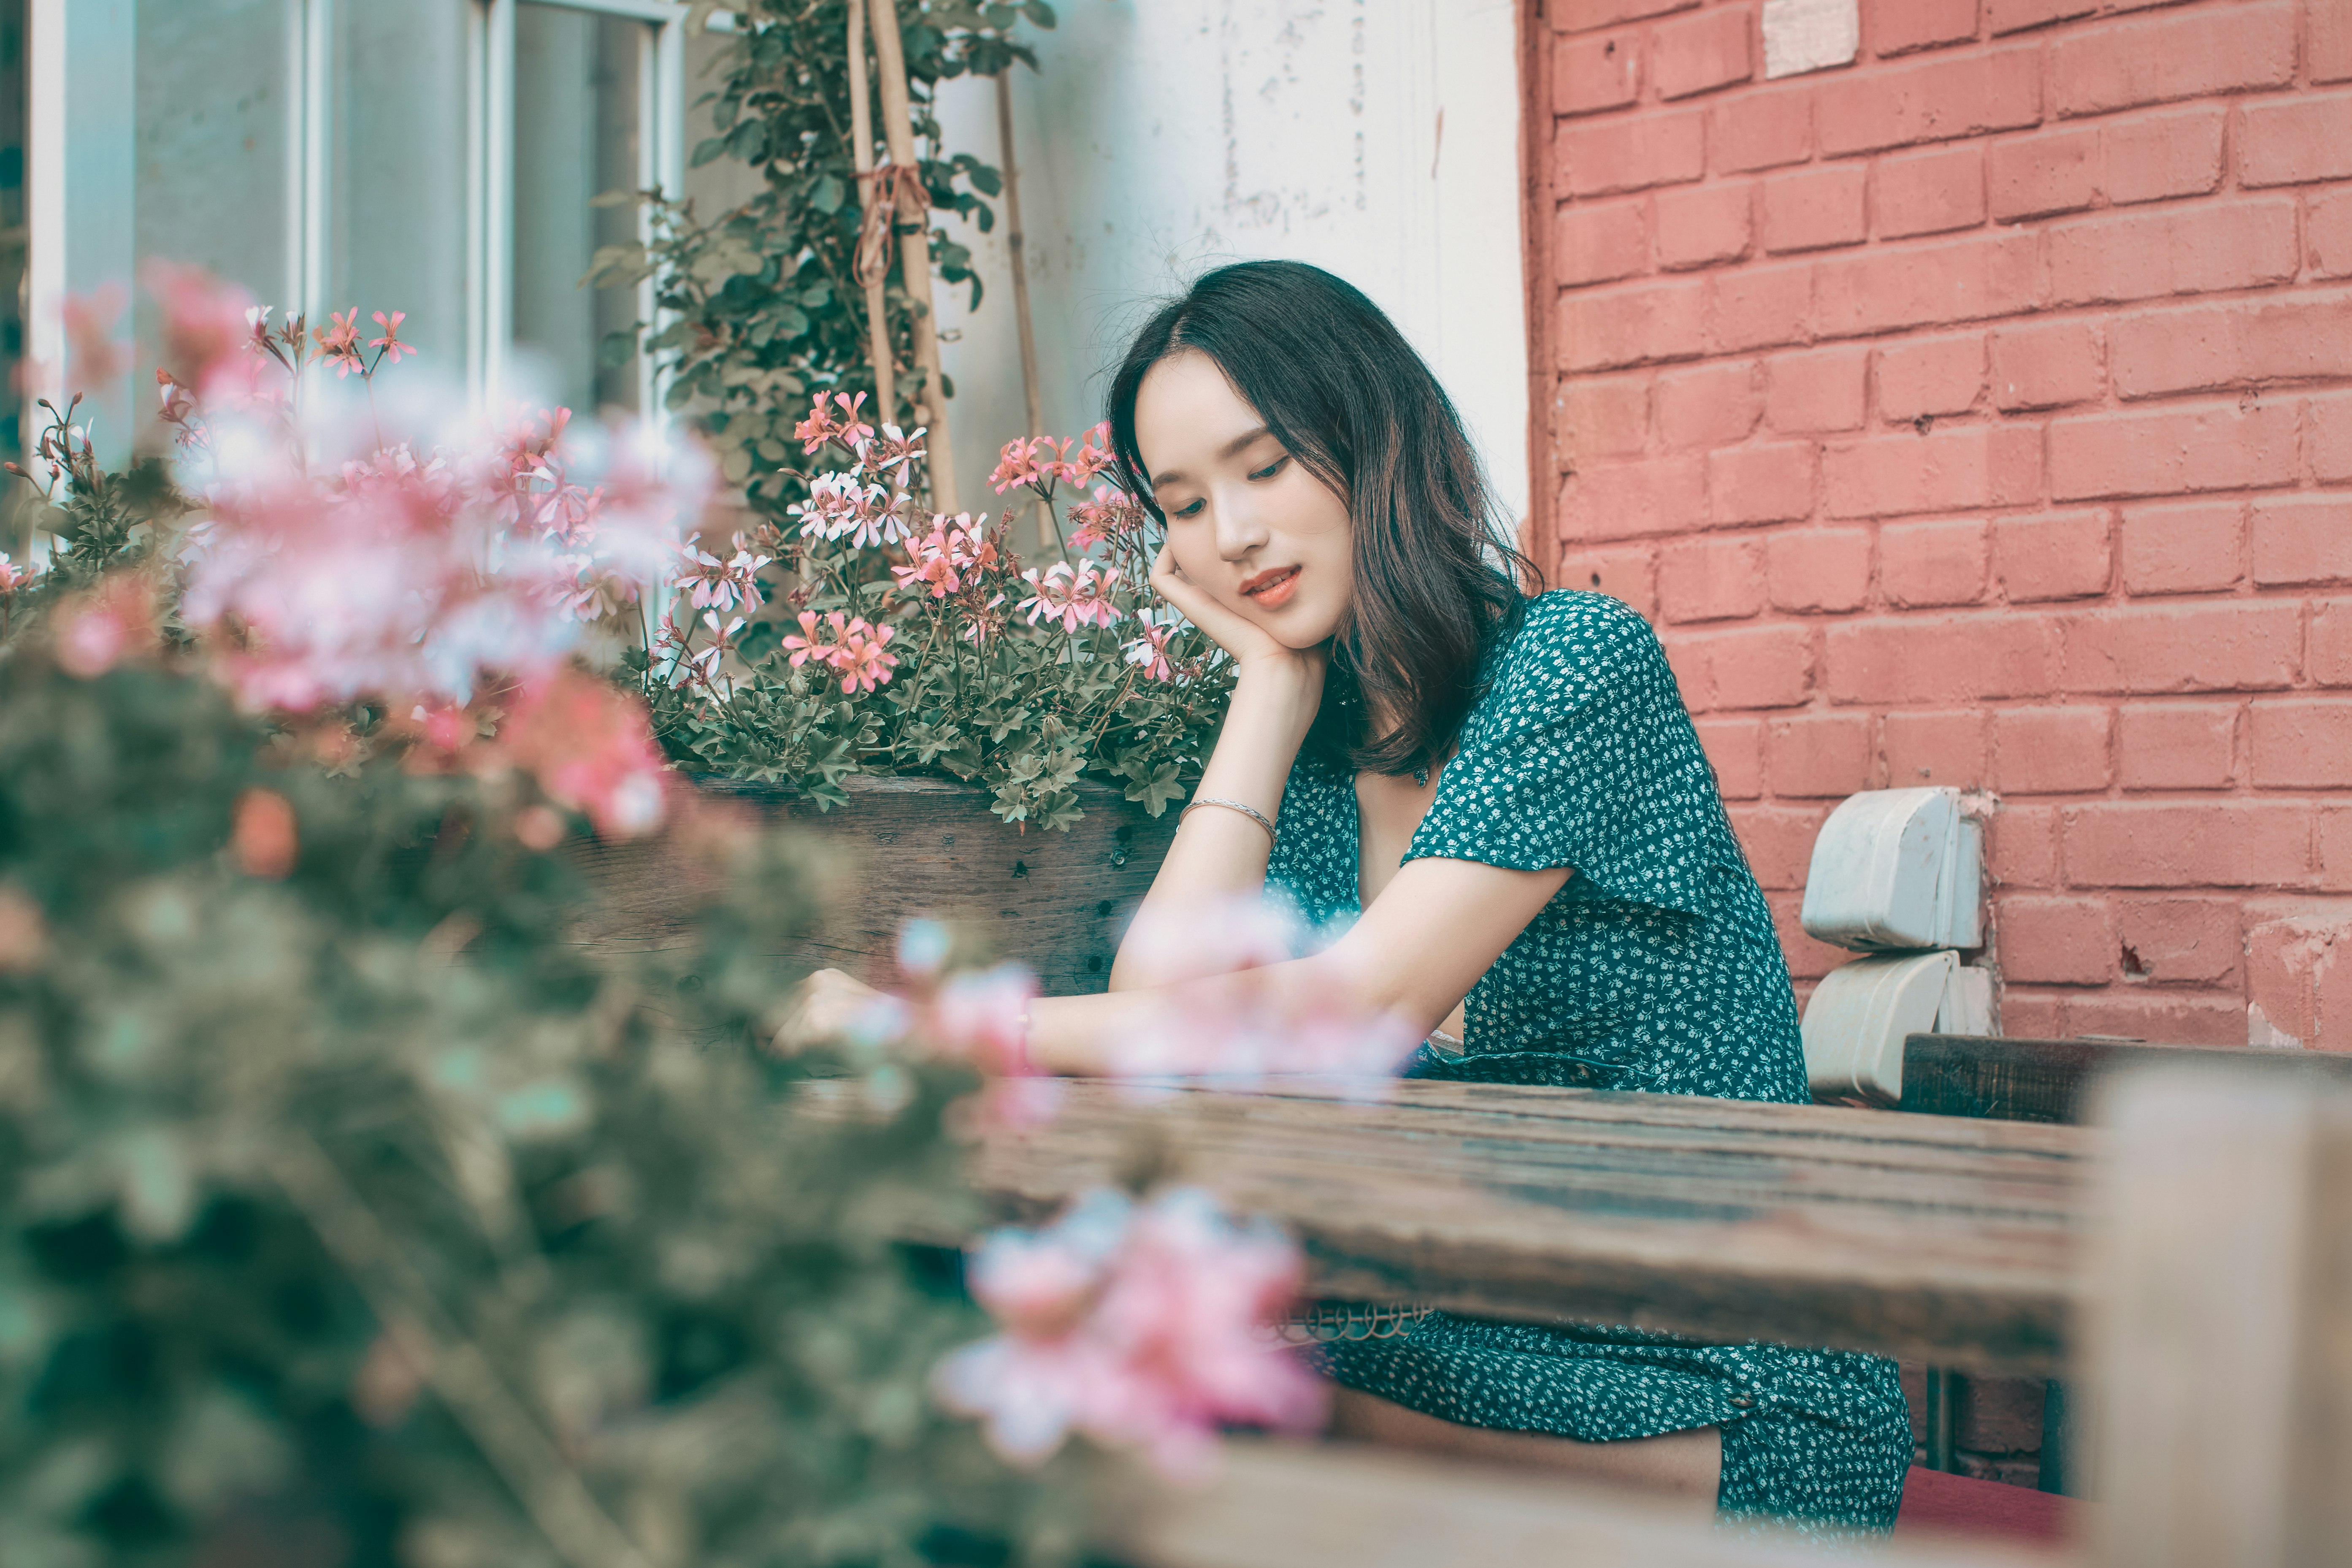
(2328, 44)
(1762, 130)
(1821, 390)
(1708, 405)
(2035, 176)
(2328, 659)
(1898, 27)
(2054, 941)
(2002, 17)
(1935, 100)
(1922, 564)
(1818, 755)
(2022, 846)
(2033, 1015)
(1813, 209)
(2299, 977)
(2153, 157)
(1583, 15)
(1823, 569)
(2050, 751)
(2058, 555)
(1601, 417)
(1760, 307)
(1631, 151)
(2217, 844)
(2196, 54)
(2227, 646)
(1628, 572)
(2328, 233)
(1596, 242)
(2300, 743)
(1735, 749)
(1945, 747)
(2176, 746)
(1700, 226)
(1755, 667)
(1914, 285)
(2172, 941)
(1699, 54)
(1692, 677)
(1930, 376)
(2327, 425)
(1778, 840)
(1625, 501)
(1595, 73)
(2302, 337)
(2295, 140)
(1806, 959)
(2159, 1017)
(1612, 328)
(2197, 249)
(2190, 549)
(2048, 365)
(1929, 192)
(1773, 482)
(2302, 539)
(2336, 847)
(1955, 468)
(1711, 580)
(1931, 660)
(2174, 451)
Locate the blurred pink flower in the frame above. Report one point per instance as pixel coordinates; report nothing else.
(14, 577)
(204, 332)
(93, 358)
(1075, 599)
(263, 836)
(592, 750)
(390, 344)
(1137, 1327)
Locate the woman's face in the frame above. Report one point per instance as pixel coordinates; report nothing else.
(1246, 522)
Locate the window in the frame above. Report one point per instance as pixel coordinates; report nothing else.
(434, 156)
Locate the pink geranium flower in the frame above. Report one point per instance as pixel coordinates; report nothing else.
(339, 345)
(823, 425)
(1112, 514)
(1075, 597)
(390, 343)
(1150, 651)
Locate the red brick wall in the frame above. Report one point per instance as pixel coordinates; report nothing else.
(1980, 414)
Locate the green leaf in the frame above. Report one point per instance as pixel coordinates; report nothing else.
(827, 195)
(1039, 12)
(707, 150)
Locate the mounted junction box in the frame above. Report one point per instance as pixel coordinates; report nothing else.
(1897, 871)
(1862, 1013)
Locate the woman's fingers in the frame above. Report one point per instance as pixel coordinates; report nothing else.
(822, 1008)
(1233, 633)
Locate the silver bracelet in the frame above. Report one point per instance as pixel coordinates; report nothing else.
(1253, 813)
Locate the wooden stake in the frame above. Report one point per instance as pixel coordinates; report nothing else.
(861, 152)
(1015, 243)
(915, 253)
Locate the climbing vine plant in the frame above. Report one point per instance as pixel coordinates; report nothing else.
(759, 305)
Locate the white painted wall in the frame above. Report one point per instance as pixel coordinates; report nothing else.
(1165, 137)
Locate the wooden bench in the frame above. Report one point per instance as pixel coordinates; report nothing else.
(2051, 1080)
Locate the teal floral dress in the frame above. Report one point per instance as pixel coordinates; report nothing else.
(1655, 968)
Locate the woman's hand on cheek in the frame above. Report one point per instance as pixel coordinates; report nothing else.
(1248, 643)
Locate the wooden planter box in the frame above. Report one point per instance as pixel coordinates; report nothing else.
(909, 846)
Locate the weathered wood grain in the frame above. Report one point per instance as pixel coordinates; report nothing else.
(904, 847)
(1933, 1238)
(1284, 1505)
(2055, 1081)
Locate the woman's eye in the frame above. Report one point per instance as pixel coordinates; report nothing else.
(1191, 508)
(1271, 468)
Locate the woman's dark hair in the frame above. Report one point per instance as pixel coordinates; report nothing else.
(1348, 397)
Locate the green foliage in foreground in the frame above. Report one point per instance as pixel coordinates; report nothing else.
(366, 1216)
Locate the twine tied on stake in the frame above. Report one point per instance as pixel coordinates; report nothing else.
(893, 191)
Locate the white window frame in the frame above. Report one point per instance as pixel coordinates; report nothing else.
(80, 53)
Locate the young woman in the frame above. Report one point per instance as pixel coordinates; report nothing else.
(1508, 796)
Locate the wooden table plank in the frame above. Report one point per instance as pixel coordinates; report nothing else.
(1943, 1240)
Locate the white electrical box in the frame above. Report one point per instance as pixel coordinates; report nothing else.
(1897, 871)
(1862, 1012)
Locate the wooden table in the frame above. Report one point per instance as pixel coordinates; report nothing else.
(1928, 1238)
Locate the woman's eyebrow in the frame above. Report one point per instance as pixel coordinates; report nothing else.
(1172, 475)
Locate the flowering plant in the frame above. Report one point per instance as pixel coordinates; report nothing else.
(917, 641)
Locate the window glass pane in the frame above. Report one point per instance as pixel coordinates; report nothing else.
(215, 104)
(396, 198)
(579, 90)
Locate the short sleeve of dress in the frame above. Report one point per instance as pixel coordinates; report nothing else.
(1581, 753)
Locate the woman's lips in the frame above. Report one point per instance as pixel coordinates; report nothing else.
(1272, 589)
